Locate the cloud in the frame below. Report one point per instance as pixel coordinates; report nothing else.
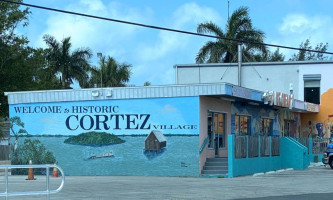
(168, 108)
(152, 53)
(186, 17)
(160, 55)
(299, 23)
(93, 33)
(296, 28)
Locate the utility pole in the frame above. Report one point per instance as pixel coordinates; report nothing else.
(228, 9)
(239, 63)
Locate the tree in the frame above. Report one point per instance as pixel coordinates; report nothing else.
(276, 56)
(32, 150)
(110, 73)
(239, 27)
(303, 55)
(11, 16)
(16, 121)
(13, 51)
(44, 77)
(147, 83)
(71, 65)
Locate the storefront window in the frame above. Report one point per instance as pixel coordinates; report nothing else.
(266, 127)
(242, 125)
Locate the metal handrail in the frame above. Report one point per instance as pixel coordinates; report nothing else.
(203, 145)
(46, 192)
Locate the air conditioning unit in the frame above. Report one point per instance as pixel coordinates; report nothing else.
(109, 93)
(95, 93)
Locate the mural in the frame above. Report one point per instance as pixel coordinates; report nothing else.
(319, 124)
(290, 123)
(256, 115)
(128, 121)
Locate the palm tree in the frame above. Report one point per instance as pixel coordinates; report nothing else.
(110, 73)
(239, 27)
(71, 65)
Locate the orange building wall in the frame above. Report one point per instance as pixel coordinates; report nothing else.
(309, 120)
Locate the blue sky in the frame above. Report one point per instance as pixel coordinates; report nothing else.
(153, 53)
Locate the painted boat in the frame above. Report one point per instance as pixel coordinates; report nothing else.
(105, 155)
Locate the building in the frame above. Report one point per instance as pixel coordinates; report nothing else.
(308, 81)
(155, 141)
(202, 121)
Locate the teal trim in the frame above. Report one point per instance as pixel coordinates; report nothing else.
(293, 154)
(231, 155)
(203, 145)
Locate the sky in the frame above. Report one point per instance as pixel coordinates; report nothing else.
(153, 53)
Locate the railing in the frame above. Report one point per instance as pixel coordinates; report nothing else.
(253, 146)
(319, 145)
(249, 146)
(276, 145)
(203, 145)
(46, 192)
(240, 146)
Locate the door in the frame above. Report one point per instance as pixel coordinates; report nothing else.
(219, 132)
(216, 131)
(289, 128)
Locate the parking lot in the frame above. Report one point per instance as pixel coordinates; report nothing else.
(312, 183)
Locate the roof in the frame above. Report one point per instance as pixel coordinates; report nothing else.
(225, 91)
(178, 90)
(255, 64)
(159, 136)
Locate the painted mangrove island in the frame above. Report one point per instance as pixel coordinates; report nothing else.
(94, 139)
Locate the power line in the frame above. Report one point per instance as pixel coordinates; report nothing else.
(162, 28)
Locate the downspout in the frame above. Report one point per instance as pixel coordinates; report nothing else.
(239, 63)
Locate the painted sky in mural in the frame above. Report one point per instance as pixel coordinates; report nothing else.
(120, 117)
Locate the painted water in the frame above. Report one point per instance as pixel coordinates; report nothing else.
(180, 158)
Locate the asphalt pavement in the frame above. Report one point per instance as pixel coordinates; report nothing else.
(313, 183)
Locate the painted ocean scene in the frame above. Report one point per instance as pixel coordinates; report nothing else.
(179, 158)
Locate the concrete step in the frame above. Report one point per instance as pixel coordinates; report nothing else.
(217, 160)
(215, 168)
(214, 171)
(216, 164)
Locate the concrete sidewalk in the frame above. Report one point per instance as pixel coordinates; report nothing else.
(303, 183)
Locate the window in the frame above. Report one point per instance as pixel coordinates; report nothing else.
(266, 127)
(242, 125)
(312, 88)
(216, 130)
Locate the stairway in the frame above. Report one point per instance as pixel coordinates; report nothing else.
(215, 166)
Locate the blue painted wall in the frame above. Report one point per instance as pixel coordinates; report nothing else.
(131, 120)
(120, 117)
